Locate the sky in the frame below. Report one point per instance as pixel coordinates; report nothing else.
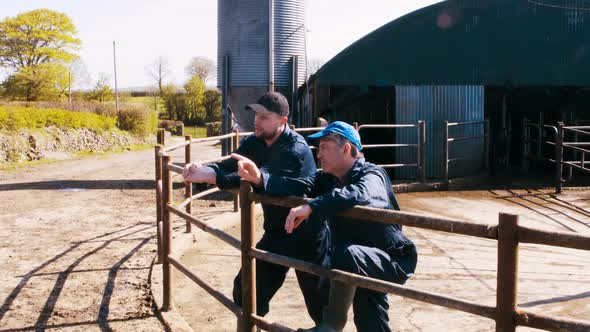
(182, 29)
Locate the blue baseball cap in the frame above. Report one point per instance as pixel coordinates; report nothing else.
(343, 129)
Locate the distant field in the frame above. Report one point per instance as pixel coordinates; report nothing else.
(195, 132)
(141, 101)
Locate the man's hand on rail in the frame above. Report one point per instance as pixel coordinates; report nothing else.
(296, 216)
(248, 170)
(195, 172)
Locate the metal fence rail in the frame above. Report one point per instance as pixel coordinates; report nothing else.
(507, 232)
(420, 146)
(576, 147)
(538, 142)
(447, 140)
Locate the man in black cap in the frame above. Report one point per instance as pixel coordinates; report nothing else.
(280, 151)
(369, 249)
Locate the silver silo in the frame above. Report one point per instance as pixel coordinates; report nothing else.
(248, 32)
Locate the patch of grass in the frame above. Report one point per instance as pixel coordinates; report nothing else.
(22, 164)
(147, 102)
(107, 153)
(195, 132)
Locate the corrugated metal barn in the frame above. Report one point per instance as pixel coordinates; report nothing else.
(463, 61)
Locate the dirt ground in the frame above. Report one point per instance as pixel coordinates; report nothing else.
(77, 239)
(552, 280)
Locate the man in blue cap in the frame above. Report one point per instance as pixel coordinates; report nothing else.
(275, 149)
(369, 249)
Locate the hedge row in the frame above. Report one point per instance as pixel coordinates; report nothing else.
(14, 118)
(140, 122)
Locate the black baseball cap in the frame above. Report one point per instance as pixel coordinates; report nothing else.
(271, 102)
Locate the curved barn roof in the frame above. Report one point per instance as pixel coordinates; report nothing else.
(488, 42)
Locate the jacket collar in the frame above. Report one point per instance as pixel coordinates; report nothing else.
(356, 167)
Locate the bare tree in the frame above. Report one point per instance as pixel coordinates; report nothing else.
(202, 67)
(158, 70)
(80, 76)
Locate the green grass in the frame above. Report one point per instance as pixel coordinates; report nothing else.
(122, 149)
(22, 164)
(195, 132)
(147, 102)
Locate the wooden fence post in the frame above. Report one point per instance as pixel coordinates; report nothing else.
(167, 301)
(159, 187)
(188, 186)
(236, 145)
(248, 263)
(507, 278)
(161, 136)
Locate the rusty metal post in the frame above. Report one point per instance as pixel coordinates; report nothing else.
(158, 170)
(167, 272)
(236, 145)
(248, 263)
(188, 186)
(446, 151)
(422, 149)
(507, 278)
(558, 157)
(486, 144)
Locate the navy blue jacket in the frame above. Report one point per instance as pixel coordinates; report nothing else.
(288, 156)
(365, 184)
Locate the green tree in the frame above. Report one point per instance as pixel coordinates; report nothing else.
(212, 105)
(102, 91)
(193, 100)
(34, 46)
(170, 96)
(36, 37)
(45, 81)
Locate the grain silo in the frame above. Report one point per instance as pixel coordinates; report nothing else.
(261, 47)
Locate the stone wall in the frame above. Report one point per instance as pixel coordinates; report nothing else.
(35, 144)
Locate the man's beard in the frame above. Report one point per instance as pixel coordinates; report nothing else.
(269, 136)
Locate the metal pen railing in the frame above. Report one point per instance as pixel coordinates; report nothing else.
(420, 146)
(576, 147)
(447, 140)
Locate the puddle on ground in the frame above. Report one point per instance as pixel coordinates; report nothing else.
(72, 189)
